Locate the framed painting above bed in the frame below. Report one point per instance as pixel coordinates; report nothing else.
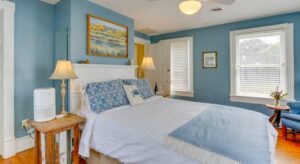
(106, 38)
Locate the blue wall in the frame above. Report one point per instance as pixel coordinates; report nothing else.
(40, 40)
(213, 85)
(62, 27)
(79, 11)
(34, 50)
(141, 35)
(62, 14)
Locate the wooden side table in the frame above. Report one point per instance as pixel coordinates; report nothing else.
(275, 118)
(50, 128)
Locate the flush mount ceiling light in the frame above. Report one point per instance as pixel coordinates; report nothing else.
(190, 7)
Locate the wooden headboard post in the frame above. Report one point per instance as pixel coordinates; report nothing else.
(88, 73)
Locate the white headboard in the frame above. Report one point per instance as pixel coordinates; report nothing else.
(88, 73)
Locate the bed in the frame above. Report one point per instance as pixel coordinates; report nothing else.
(137, 134)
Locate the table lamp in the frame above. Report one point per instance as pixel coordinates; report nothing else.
(147, 64)
(63, 71)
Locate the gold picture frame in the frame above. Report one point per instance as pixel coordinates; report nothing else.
(106, 38)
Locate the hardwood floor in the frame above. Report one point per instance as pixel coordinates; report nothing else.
(26, 157)
(287, 152)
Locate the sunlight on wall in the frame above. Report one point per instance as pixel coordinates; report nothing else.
(139, 55)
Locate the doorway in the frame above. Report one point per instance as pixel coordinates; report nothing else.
(139, 55)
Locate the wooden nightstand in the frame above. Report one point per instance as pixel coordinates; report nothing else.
(275, 118)
(50, 128)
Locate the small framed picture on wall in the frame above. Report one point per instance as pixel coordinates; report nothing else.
(209, 59)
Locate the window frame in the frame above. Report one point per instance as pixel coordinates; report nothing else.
(287, 29)
(189, 93)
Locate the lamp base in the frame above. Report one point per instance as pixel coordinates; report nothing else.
(61, 115)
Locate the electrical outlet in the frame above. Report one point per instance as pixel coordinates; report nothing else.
(25, 124)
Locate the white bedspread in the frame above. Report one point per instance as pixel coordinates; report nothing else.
(136, 134)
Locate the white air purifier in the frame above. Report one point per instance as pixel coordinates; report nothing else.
(44, 104)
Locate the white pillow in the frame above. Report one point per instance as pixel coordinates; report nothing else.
(133, 95)
(84, 101)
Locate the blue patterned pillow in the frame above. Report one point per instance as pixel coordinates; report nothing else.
(106, 95)
(143, 86)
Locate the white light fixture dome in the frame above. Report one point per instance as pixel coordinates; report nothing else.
(190, 7)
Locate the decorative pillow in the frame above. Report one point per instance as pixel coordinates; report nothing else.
(106, 95)
(133, 95)
(143, 86)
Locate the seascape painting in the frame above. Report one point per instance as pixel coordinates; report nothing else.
(106, 38)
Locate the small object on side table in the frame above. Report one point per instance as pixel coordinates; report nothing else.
(50, 128)
(156, 89)
(86, 61)
(275, 118)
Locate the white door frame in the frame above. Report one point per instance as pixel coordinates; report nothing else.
(7, 84)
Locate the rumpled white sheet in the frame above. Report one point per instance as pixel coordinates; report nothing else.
(135, 134)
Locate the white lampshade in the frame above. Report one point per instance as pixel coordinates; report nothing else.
(190, 7)
(63, 70)
(147, 64)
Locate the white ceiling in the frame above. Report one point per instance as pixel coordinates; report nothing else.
(164, 16)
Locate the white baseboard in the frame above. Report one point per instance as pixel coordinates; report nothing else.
(9, 148)
(24, 143)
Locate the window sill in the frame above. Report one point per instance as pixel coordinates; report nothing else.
(183, 93)
(256, 100)
(252, 100)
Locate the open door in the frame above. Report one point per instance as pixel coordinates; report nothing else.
(160, 53)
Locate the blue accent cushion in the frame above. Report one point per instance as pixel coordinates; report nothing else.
(294, 107)
(295, 125)
(106, 95)
(293, 117)
(143, 86)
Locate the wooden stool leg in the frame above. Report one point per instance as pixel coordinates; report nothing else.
(273, 118)
(50, 146)
(284, 133)
(76, 144)
(38, 154)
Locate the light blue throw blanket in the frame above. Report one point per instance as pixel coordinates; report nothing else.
(232, 133)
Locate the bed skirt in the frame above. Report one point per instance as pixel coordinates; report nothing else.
(96, 158)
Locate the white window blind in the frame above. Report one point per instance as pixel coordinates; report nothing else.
(181, 66)
(261, 63)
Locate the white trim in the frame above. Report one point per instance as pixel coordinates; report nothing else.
(24, 143)
(262, 29)
(254, 100)
(251, 100)
(183, 93)
(9, 148)
(141, 40)
(288, 29)
(7, 87)
(290, 60)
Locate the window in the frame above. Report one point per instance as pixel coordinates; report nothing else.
(261, 60)
(182, 67)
